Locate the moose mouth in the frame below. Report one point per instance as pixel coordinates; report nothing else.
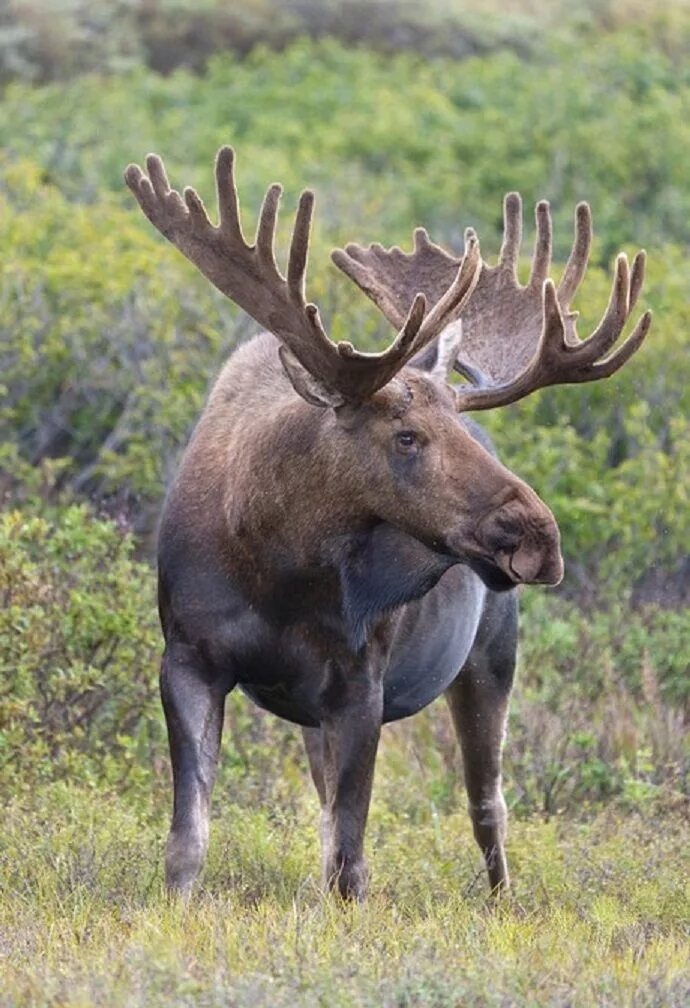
(509, 574)
(496, 578)
(493, 577)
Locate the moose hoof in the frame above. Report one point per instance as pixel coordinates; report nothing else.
(183, 861)
(349, 881)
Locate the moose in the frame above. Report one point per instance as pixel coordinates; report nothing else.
(340, 542)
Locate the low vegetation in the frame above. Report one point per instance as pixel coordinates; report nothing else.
(599, 914)
(45, 40)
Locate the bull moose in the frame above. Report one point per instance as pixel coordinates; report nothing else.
(340, 542)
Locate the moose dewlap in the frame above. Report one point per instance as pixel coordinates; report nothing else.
(340, 542)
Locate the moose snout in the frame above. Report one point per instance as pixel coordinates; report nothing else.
(523, 540)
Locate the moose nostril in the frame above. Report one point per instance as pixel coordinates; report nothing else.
(509, 525)
(516, 573)
(526, 562)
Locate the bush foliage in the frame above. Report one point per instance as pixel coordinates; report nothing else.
(77, 639)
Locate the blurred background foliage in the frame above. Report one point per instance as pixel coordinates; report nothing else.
(398, 114)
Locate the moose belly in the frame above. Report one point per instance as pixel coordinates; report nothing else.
(433, 643)
(423, 672)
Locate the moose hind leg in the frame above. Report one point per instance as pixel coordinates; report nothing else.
(313, 743)
(314, 746)
(478, 701)
(193, 702)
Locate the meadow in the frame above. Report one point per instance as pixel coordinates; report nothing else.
(108, 344)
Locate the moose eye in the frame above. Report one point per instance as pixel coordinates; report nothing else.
(406, 442)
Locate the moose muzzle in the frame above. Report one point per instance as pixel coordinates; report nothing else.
(521, 537)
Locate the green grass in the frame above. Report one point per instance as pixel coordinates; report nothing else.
(599, 914)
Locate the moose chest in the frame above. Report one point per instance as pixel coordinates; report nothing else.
(286, 668)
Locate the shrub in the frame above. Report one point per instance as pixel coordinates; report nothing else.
(78, 653)
(107, 345)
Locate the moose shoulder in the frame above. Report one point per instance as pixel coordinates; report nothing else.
(339, 542)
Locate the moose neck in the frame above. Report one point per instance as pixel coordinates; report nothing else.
(291, 504)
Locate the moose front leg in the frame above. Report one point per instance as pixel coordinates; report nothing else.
(350, 730)
(193, 701)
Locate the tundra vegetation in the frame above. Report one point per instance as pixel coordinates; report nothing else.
(108, 342)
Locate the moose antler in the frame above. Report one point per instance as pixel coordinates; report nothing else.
(249, 275)
(514, 338)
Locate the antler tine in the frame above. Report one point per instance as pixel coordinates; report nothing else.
(228, 199)
(266, 228)
(158, 176)
(576, 265)
(637, 276)
(299, 246)
(512, 233)
(197, 211)
(541, 259)
(615, 316)
(607, 367)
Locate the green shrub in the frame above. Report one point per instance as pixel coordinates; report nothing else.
(106, 344)
(78, 653)
(602, 699)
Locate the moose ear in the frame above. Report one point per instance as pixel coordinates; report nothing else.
(306, 385)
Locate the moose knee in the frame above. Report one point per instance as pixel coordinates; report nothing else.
(489, 815)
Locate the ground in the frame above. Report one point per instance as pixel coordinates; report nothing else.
(599, 916)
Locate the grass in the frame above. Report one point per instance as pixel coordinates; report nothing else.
(599, 916)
